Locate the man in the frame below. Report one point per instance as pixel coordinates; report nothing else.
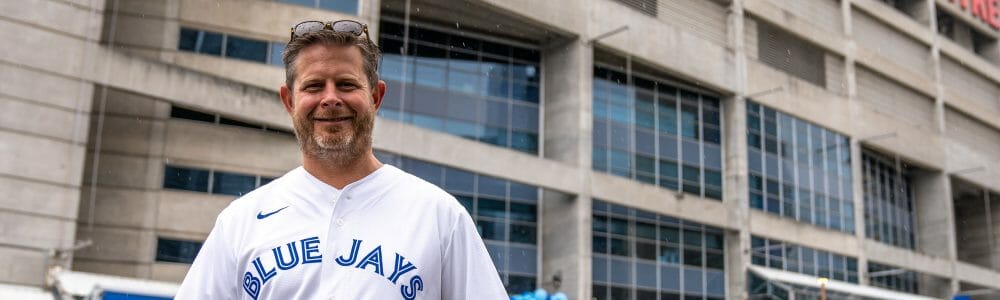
(342, 226)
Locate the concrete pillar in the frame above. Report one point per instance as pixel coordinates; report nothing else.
(935, 217)
(859, 209)
(737, 249)
(567, 74)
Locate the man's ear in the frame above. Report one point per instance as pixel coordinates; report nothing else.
(286, 98)
(378, 93)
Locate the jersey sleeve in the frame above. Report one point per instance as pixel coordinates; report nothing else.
(213, 273)
(468, 272)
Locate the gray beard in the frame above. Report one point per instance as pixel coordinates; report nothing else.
(339, 151)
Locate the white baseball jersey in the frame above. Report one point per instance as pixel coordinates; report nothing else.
(389, 235)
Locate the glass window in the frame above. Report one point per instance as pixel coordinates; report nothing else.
(495, 98)
(188, 40)
(277, 50)
(648, 123)
(347, 6)
(794, 169)
(182, 178)
(233, 184)
(210, 43)
(178, 251)
(646, 243)
(246, 49)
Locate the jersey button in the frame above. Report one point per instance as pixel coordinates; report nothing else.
(340, 222)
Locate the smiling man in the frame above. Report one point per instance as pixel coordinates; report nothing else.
(344, 225)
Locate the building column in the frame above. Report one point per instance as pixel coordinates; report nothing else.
(567, 74)
(935, 223)
(737, 250)
(935, 220)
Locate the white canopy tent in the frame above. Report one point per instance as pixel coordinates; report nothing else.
(797, 279)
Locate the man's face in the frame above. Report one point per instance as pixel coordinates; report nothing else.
(332, 105)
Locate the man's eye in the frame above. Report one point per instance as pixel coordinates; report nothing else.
(312, 87)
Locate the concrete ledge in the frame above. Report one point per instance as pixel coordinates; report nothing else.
(834, 42)
(986, 115)
(674, 49)
(775, 227)
(897, 20)
(651, 198)
(449, 150)
(969, 59)
(264, 76)
(922, 83)
(192, 89)
(909, 259)
(232, 148)
(977, 275)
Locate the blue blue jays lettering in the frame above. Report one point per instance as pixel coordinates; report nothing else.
(285, 258)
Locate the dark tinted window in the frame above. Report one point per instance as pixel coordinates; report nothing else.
(182, 113)
(233, 184)
(185, 179)
(210, 43)
(246, 49)
(188, 40)
(169, 250)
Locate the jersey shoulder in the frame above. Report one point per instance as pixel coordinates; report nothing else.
(252, 202)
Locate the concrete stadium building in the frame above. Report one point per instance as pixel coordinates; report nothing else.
(609, 149)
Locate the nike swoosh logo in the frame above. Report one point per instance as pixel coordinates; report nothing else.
(261, 215)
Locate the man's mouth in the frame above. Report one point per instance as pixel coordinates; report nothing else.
(334, 119)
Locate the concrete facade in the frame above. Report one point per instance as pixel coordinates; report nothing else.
(93, 169)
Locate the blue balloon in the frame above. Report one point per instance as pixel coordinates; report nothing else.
(559, 296)
(541, 294)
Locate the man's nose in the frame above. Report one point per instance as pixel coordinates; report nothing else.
(331, 98)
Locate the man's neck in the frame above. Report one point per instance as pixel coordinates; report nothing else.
(340, 175)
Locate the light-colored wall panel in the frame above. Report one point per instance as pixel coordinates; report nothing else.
(117, 244)
(38, 198)
(81, 22)
(824, 14)
(124, 171)
(44, 120)
(189, 212)
(972, 143)
(970, 85)
(40, 158)
(35, 231)
(118, 207)
(893, 99)
(22, 266)
(704, 18)
(127, 135)
(836, 78)
(891, 44)
(173, 272)
(243, 148)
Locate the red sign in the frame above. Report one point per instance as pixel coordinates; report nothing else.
(985, 10)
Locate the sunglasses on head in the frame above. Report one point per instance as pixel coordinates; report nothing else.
(350, 26)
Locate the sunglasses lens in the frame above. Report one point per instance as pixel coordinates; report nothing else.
(307, 27)
(348, 26)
